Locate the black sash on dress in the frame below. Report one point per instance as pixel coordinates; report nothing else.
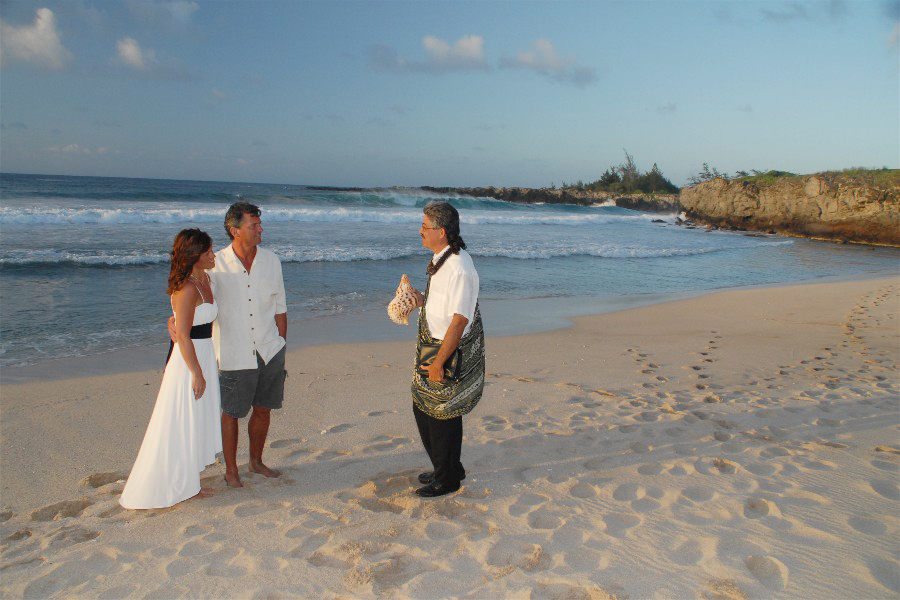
(198, 332)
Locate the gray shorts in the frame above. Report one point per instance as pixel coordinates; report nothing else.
(262, 386)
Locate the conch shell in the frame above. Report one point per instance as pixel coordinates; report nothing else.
(403, 303)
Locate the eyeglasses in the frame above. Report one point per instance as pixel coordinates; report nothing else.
(423, 227)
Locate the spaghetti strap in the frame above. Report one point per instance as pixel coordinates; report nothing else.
(196, 285)
(199, 291)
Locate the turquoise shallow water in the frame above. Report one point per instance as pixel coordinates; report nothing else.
(84, 260)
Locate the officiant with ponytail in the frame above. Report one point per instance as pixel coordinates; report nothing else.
(449, 376)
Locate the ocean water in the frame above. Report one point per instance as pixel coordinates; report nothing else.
(84, 260)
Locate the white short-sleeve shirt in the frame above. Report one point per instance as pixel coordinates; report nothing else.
(453, 290)
(248, 303)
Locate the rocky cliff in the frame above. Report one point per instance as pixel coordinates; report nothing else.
(855, 208)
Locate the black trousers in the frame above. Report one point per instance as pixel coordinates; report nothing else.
(442, 439)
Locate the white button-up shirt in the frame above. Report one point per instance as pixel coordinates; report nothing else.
(453, 290)
(248, 303)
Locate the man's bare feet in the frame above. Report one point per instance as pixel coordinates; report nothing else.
(233, 480)
(259, 467)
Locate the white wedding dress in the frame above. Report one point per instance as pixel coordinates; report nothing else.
(184, 434)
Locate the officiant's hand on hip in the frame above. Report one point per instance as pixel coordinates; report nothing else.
(435, 372)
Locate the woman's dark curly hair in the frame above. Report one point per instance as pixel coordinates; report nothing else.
(189, 245)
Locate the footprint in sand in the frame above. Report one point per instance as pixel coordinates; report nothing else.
(754, 508)
(628, 492)
(494, 423)
(885, 465)
(249, 509)
(69, 536)
(60, 510)
(521, 554)
(21, 534)
(582, 490)
(384, 442)
(867, 525)
(218, 569)
(196, 530)
(885, 572)
(770, 571)
(195, 548)
(337, 429)
(761, 469)
(697, 493)
(299, 453)
(309, 545)
(379, 413)
(327, 455)
(618, 524)
(100, 479)
(437, 530)
(687, 553)
(284, 443)
(525, 503)
(886, 488)
(654, 469)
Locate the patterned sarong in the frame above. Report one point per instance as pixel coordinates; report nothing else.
(451, 398)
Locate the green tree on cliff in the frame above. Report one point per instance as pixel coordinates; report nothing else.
(628, 179)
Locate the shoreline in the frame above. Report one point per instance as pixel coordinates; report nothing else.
(507, 317)
(741, 440)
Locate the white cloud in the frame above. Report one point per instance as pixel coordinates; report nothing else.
(466, 53)
(131, 54)
(143, 61)
(38, 43)
(219, 94)
(542, 58)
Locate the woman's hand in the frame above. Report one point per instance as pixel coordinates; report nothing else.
(198, 384)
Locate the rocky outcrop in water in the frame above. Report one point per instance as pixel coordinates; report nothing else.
(830, 206)
(661, 203)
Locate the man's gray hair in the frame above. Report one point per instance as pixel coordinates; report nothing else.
(444, 215)
(236, 213)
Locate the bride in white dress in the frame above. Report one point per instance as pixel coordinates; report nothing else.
(184, 433)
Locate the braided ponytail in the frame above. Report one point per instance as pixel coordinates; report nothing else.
(444, 215)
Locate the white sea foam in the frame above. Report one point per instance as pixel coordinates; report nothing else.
(50, 257)
(214, 214)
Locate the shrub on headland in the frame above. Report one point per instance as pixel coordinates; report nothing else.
(871, 176)
(627, 179)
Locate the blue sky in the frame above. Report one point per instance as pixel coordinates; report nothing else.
(505, 93)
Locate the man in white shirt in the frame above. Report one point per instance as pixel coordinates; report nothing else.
(249, 336)
(451, 320)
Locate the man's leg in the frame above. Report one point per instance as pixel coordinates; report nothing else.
(258, 430)
(236, 388)
(229, 450)
(269, 394)
(446, 447)
(422, 422)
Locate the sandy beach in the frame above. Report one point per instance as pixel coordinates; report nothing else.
(741, 444)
